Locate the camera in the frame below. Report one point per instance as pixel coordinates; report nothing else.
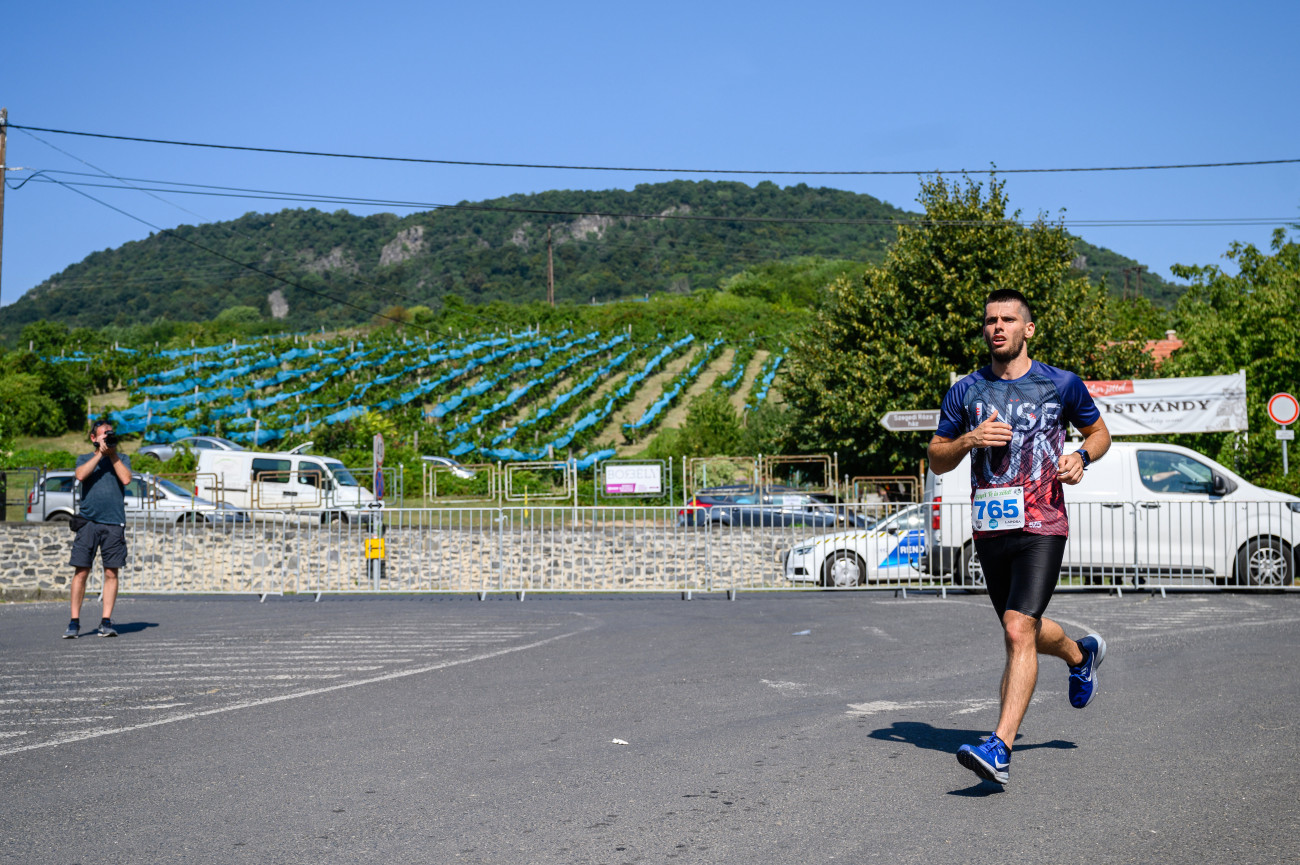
(110, 440)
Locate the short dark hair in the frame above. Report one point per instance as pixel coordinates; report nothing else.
(1001, 295)
(96, 424)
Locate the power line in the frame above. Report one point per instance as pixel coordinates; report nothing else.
(308, 198)
(484, 164)
(222, 255)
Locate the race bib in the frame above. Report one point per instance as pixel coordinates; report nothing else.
(998, 509)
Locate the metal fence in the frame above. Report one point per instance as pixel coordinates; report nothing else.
(657, 549)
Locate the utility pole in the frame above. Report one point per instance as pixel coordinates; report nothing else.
(550, 269)
(4, 136)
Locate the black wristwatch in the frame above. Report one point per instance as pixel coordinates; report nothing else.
(1087, 460)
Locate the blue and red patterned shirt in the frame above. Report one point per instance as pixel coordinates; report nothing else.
(1039, 405)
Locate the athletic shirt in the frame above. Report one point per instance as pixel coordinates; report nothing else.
(1038, 405)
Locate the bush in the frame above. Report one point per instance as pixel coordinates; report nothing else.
(32, 458)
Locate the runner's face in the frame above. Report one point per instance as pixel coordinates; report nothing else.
(1005, 330)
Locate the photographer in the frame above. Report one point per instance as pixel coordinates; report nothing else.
(103, 475)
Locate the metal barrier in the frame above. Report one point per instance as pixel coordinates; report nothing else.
(660, 549)
(1156, 544)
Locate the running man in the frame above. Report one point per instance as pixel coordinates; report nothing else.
(1011, 417)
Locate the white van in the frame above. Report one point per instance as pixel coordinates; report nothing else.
(314, 487)
(1146, 513)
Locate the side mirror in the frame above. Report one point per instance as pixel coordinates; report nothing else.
(1220, 487)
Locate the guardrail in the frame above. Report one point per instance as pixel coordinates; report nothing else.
(662, 549)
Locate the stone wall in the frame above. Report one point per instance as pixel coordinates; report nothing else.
(274, 557)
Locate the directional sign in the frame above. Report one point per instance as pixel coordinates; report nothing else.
(1283, 408)
(910, 421)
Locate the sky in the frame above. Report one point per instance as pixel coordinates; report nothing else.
(853, 86)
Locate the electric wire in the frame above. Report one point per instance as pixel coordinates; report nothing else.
(485, 164)
(237, 192)
(242, 264)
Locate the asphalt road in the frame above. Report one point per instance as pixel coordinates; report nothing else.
(804, 728)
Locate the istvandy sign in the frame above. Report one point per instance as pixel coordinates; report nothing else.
(1212, 403)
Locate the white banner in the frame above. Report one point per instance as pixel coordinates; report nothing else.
(1212, 403)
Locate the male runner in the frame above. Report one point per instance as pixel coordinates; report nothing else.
(1011, 416)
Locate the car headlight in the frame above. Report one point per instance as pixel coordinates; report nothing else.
(801, 551)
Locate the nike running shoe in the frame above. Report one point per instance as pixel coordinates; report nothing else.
(72, 632)
(106, 629)
(990, 760)
(1083, 678)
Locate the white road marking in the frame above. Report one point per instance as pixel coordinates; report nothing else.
(82, 735)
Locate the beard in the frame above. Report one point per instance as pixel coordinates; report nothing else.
(1010, 350)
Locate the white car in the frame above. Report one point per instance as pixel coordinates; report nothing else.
(1148, 512)
(156, 500)
(889, 550)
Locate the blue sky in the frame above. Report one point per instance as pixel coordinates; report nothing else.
(811, 86)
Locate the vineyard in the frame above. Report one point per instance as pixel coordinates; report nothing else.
(487, 396)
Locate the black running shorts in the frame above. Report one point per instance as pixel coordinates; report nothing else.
(109, 540)
(1021, 570)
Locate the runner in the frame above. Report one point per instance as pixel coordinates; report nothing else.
(1011, 416)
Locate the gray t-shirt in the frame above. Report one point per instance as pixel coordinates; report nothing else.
(102, 493)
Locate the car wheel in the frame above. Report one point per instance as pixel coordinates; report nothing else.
(153, 456)
(188, 519)
(969, 570)
(1265, 562)
(59, 517)
(843, 568)
(335, 517)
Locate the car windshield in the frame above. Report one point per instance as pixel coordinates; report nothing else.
(174, 488)
(228, 444)
(342, 476)
(903, 521)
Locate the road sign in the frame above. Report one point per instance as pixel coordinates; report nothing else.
(378, 452)
(910, 421)
(1283, 408)
(1286, 435)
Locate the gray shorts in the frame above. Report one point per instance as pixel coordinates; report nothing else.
(108, 539)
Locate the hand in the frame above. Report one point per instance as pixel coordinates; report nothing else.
(991, 433)
(1070, 469)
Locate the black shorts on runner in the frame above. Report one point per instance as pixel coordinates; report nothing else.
(1021, 570)
(109, 540)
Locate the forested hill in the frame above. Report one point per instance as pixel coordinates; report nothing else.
(337, 268)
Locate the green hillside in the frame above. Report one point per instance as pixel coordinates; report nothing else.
(336, 268)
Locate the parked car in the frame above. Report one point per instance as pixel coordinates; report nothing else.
(164, 452)
(158, 500)
(1146, 511)
(743, 505)
(891, 549)
(297, 485)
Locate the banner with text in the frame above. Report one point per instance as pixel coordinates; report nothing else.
(1213, 403)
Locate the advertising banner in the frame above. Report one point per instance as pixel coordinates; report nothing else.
(1155, 406)
(634, 480)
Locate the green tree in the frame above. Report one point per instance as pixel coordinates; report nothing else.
(891, 340)
(711, 428)
(1247, 321)
(29, 409)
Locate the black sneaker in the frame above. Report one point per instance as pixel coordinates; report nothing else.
(72, 632)
(106, 629)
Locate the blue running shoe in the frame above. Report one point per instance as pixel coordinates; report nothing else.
(1083, 678)
(990, 760)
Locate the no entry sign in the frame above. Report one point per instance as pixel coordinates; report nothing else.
(1283, 409)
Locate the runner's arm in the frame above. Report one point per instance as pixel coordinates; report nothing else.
(1096, 441)
(945, 454)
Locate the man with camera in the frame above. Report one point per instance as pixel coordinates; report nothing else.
(103, 475)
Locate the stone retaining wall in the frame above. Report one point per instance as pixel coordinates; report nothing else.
(278, 557)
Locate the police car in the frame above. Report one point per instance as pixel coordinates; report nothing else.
(889, 550)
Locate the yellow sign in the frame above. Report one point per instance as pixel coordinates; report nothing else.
(374, 548)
